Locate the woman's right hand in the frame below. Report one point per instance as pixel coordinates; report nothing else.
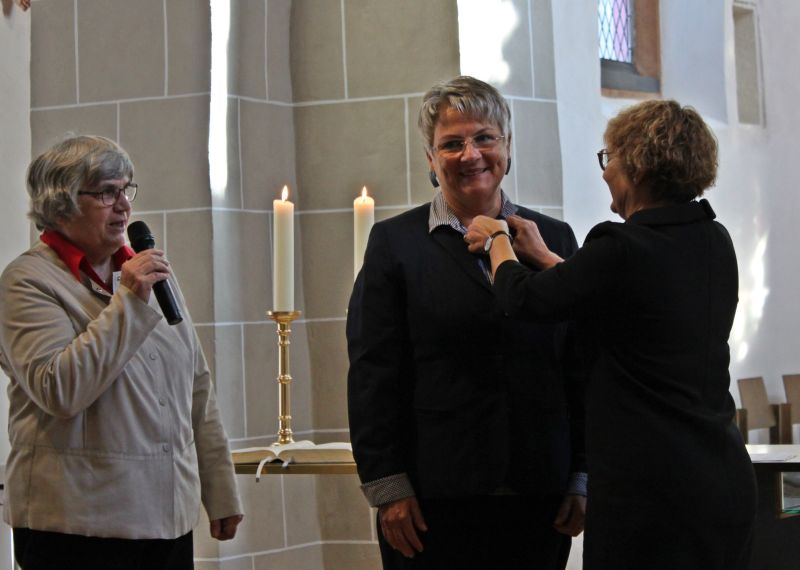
(143, 270)
(399, 523)
(529, 244)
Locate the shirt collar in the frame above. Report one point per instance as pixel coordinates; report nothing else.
(75, 259)
(442, 215)
(685, 213)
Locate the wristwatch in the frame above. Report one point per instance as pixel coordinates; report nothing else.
(487, 246)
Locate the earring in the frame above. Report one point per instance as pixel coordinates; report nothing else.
(433, 179)
(508, 165)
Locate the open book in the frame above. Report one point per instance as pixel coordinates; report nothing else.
(297, 452)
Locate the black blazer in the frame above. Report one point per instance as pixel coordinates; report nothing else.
(442, 384)
(659, 293)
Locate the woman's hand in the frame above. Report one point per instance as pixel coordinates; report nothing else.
(571, 515)
(400, 521)
(480, 229)
(225, 529)
(143, 270)
(529, 245)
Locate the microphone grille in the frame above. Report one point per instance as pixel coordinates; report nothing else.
(140, 236)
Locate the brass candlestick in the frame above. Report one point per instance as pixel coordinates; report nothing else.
(284, 320)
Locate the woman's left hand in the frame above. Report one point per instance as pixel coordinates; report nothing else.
(571, 515)
(225, 529)
(480, 229)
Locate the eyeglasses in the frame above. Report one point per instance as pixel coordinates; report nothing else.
(481, 142)
(602, 158)
(110, 194)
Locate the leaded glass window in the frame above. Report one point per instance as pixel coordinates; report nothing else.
(615, 30)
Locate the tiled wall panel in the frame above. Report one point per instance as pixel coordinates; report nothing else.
(50, 126)
(344, 146)
(247, 51)
(328, 350)
(169, 140)
(120, 49)
(399, 47)
(53, 69)
(188, 47)
(268, 154)
(316, 50)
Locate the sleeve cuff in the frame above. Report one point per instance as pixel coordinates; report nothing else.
(387, 489)
(577, 484)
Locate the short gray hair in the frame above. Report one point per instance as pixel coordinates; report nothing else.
(77, 163)
(472, 97)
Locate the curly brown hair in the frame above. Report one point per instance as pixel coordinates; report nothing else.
(665, 149)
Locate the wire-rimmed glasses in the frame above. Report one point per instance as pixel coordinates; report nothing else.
(482, 142)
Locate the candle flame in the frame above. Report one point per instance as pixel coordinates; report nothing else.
(363, 193)
(285, 193)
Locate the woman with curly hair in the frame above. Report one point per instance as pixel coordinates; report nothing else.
(670, 483)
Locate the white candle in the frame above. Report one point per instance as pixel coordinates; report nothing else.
(283, 253)
(363, 218)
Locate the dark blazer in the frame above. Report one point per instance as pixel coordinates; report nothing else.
(442, 384)
(659, 294)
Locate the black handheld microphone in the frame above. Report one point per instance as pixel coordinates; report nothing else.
(142, 239)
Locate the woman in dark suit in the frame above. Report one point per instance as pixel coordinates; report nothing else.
(670, 483)
(466, 425)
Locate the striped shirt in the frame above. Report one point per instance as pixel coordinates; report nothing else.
(443, 215)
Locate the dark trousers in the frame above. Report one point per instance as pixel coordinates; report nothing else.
(489, 532)
(638, 536)
(41, 550)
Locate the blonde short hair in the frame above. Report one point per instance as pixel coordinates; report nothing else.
(469, 96)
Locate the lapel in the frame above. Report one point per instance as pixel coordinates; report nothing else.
(453, 244)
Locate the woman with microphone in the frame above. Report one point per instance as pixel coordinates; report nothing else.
(114, 427)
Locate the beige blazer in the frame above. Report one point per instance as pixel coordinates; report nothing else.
(114, 426)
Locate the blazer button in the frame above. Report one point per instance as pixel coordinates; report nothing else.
(153, 356)
(162, 402)
(165, 447)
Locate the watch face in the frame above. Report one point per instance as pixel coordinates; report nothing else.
(487, 245)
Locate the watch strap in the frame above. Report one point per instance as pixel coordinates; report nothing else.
(503, 233)
(487, 247)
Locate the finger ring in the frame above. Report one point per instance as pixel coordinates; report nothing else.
(466, 239)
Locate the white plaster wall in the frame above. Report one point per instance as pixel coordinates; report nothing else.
(580, 114)
(760, 182)
(693, 47)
